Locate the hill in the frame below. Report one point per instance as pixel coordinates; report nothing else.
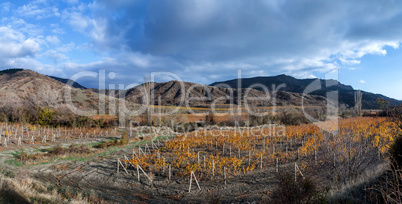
(199, 95)
(317, 87)
(65, 81)
(22, 88)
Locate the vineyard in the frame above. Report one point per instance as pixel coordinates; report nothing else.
(219, 155)
(13, 136)
(232, 163)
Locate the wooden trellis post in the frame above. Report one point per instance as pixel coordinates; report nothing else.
(264, 144)
(140, 150)
(163, 164)
(198, 158)
(249, 157)
(126, 159)
(170, 171)
(315, 156)
(147, 148)
(261, 161)
(213, 168)
(223, 149)
(134, 154)
(118, 165)
(297, 168)
(138, 173)
(277, 165)
(191, 179)
(286, 152)
(224, 174)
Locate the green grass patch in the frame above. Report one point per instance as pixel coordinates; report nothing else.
(14, 162)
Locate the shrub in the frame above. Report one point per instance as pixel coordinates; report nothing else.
(45, 116)
(300, 191)
(72, 149)
(25, 157)
(261, 120)
(395, 152)
(210, 118)
(292, 117)
(124, 138)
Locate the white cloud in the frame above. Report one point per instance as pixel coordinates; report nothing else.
(66, 47)
(22, 26)
(201, 37)
(55, 56)
(38, 10)
(362, 81)
(52, 39)
(349, 62)
(208, 39)
(77, 20)
(15, 44)
(6, 6)
(71, 1)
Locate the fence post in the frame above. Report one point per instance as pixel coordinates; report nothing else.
(261, 161)
(224, 174)
(277, 165)
(170, 171)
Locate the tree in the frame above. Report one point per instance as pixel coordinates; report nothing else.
(394, 112)
(358, 102)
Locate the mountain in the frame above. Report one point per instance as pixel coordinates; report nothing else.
(317, 87)
(10, 71)
(21, 88)
(65, 81)
(18, 85)
(199, 95)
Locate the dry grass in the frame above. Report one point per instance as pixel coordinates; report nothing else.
(71, 150)
(120, 142)
(24, 189)
(56, 151)
(103, 117)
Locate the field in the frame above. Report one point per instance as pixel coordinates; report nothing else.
(230, 164)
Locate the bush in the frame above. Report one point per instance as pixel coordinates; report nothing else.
(261, 120)
(292, 117)
(72, 149)
(25, 157)
(395, 152)
(124, 138)
(45, 116)
(210, 118)
(300, 191)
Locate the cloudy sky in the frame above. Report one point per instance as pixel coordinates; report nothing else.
(205, 41)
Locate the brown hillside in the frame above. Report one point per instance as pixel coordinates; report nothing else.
(29, 87)
(177, 92)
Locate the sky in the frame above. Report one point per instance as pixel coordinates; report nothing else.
(205, 41)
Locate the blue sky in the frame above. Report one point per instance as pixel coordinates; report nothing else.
(205, 41)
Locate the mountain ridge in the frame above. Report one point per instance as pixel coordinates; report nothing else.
(313, 86)
(170, 92)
